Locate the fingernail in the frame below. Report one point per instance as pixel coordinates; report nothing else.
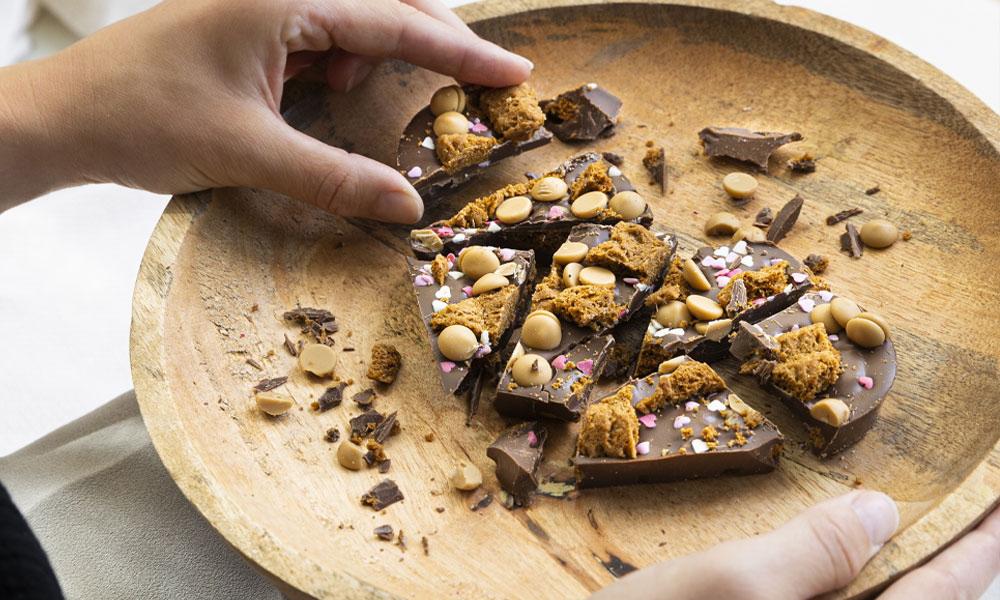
(358, 76)
(531, 65)
(878, 515)
(400, 206)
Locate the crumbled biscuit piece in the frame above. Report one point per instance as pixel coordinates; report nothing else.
(768, 281)
(632, 248)
(673, 288)
(594, 178)
(807, 363)
(457, 151)
(513, 111)
(690, 379)
(610, 427)
(385, 363)
(376, 451)
(587, 306)
(709, 434)
(491, 312)
(686, 432)
(816, 263)
(547, 289)
(481, 210)
(439, 269)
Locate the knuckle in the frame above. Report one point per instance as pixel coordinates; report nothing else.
(337, 192)
(843, 554)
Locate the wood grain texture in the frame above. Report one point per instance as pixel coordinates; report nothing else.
(871, 112)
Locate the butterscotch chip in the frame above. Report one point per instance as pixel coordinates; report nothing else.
(844, 309)
(695, 277)
(274, 403)
(385, 363)
(570, 252)
(549, 189)
(513, 111)
(571, 274)
(514, 210)
(466, 476)
(748, 233)
(542, 331)
(598, 276)
(703, 308)
(457, 342)
(610, 427)
(350, 456)
(767, 281)
(531, 369)
(690, 379)
(447, 99)
(673, 314)
(669, 366)
(865, 332)
(722, 223)
(739, 185)
(589, 205)
(823, 314)
(450, 122)
(832, 411)
(477, 261)
(318, 359)
(488, 283)
(628, 204)
(879, 233)
(457, 151)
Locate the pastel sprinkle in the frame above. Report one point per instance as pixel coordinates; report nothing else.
(722, 281)
(833, 337)
(689, 406)
(630, 280)
(747, 261)
(459, 238)
(825, 295)
(614, 171)
(493, 227)
(648, 420)
(479, 128)
(642, 448)
(586, 366)
(532, 438)
(759, 301)
(799, 277)
(740, 247)
(423, 280)
(716, 405)
(708, 261)
(444, 231)
(467, 290)
(642, 287)
(559, 362)
(722, 251)
(438, 305)
(451, 257)
(807, 304)
(866, 382)
(732, 257)
(456, 274)
(775, 261)
(681, 421)
(443, 293)
(415, 173)
(506, 254)
(428, 143)
(484, 164)
(794, 327)
(482, 351)
(699, 446)
(555, 213)
(447, 366)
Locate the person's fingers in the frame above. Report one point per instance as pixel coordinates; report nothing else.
(294, 164)
(345, 70)
(964, 570)
(388, 28)
(439, 11)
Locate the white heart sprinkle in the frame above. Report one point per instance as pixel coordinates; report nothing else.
(614, 171)
(716, 405)
(699, 446)
(437, 305)
(740, 247)
(722, 251)
(428, 143)
(456, 274)
(493, 227)
(443, 293)
(459, 238)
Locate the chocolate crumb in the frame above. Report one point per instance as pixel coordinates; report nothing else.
(656, 163)
(764, 217)
(364, 399)
(384, 532)
(439, 509)
(255, 308)
(254, 364)
(388, 426)
(850, 242)
(332, 435)
(348, 348)
(615, 159)
(803, 164)
(429, 437)
(844, 214)
(401, 540)
(786, 218)
(383, 466)
(383, 494)
(873, 190)
(426, 545)
(816, 263)
(331, 398)
(482, 502)
(266, 385)
(290, 346)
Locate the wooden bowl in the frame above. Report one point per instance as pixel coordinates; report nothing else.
(223, 265)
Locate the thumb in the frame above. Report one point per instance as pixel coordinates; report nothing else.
(339, 182)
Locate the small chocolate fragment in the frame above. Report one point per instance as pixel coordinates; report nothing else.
(317, 322)
(364, 399)
(266, 385)
(332, 435)
(481, 502)
(586, 113)
(803, 164)
(388, 426)
(786, 218)
(737, 298)
(383, 466)
(743, 144)
(751, 338)
(384, 532)
(764, 217)
(850, 242)
(364, 424)
(384, 493)
(816, 263)
(517, 453)
(426, 545)
(655, 162)
(615, 159)
(254, 364)
(844, 214)
(332, 397)
(290, 346)
(873, 190)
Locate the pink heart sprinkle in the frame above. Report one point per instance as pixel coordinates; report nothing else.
(483, 351)
(630, 280)
(833, 337)
(867, 382)
(532, 439)
(622, 313)
(826, 295)
(722, 281)
(423, 280)
(648, 420)
(689, 406)
(586, 366)
(467, 290)
(555, 213)
(479, 128)
(807, 304)
(723, 273)
(559, 362)
(444, 231)
(447, 366)
(506, 254)
(681, 421)
(451, 257)
(732, 256)
(759, 301)
(775, 261)
(735, 272)
(415, 173)
(794, 327)
(799, 277)
(642, 448)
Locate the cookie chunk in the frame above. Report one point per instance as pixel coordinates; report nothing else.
(457, 151)
(385, 363)
(610, 427)
(513, 111)
(691, 378)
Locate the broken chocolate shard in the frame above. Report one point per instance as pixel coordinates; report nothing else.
(655, 162)
(616, 159)
(517, 453)
(364, 399)
(744, 145)
(738, 298)
(873, 190)
(844, 214)
(383, 466)
(751, 338)
(364, 424)
(585, 113)
(385, 493)
(764, 217)
(816, 263)
(803, 164)
(384, 532)
(332, 397)
(785, 220)
(266, 385)
(850, 241)
(306, 314)
(385, 428)
(254, 364)
(290, 346)
(332, 435)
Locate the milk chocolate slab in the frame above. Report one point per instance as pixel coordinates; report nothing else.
(545, 228)
(744, 145)
(433, 296)
(579, 359)
(877, 363)
(675, 443)
(517, 453)
(586, 113)
(417, 160)
(662, 343)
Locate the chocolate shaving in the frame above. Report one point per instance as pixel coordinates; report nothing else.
(615, 159)
(764, 217)
(816, 263)
(401, 540)
(483, 502)
(383, 466)
(254, 364)
(266, 385)
(332, 435)
(803, 164)
(786, 218)
(426, 546)
(364, 399)
(844, 214)
(386, 427)
(738, 298)
(290, 346)
(384, 532)
(850, 242)
(332, 397)
(383, 494)
(873, 190)
(317, 322)
(763, 371)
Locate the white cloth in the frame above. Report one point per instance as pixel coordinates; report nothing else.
(15, 18)
(84, 17)
(113, 523)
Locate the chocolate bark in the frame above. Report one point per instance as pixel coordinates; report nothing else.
(877, 363)
(586, 113)
(582, 354)
(517, 453)
(417, 159)
(744, 145)
(543, 230)
(702, 436)
(662, 343)
(459, 376)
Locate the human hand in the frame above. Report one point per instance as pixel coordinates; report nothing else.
(186, 95)
(818, 551)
